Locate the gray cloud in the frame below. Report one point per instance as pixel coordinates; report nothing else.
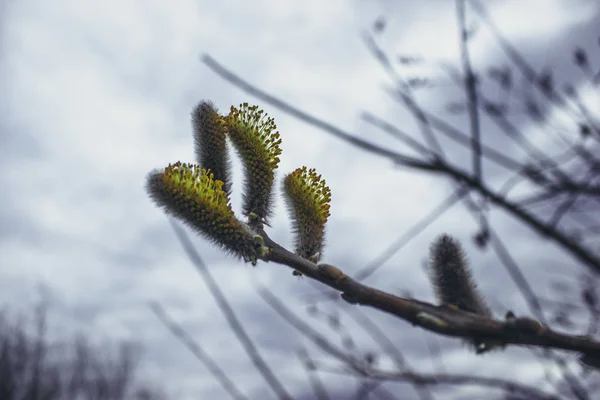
(99, 94)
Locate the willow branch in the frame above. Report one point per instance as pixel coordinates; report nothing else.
(582, 254)
(443, 320)
(453, 379)
(351, 366)
(470, 85)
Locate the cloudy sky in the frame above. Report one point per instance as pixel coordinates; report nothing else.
(97, 94)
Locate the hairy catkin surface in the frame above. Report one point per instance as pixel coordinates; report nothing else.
(254, 137)
(452, 278)
(191, 194)
(210, 142)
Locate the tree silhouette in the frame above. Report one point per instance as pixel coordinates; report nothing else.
(34, 367)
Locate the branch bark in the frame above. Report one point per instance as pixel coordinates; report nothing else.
(442, 319)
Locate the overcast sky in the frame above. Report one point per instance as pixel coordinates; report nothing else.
(96, 94)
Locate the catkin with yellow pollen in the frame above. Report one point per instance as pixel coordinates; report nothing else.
(253, 135)
(192, 195)
(308, 199)
(210, 142)
(454, 285)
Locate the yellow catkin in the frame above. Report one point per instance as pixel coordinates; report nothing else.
(192, 195)
(258, 144)
(308, 199)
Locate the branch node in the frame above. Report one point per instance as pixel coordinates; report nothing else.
(349, 298)
(524, 325)
(331, 272)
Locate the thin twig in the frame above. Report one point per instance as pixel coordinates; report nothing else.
(403, 92)
(470, 85)
(463, 139)
(523, 66)
(237, 328)
(440, 319)
(356, 141)
(562, 209)
(386, 344)
(313, 376)
(210, 364)
(517, 276)
(531, 299)
(407, 236)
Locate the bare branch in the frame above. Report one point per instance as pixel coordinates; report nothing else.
(197, 350)
(470, 85)
(440, 319)
(386, 345)
(237, 328)
(354, 368)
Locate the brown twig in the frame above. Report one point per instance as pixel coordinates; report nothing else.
(385, 343)
(523, 66)
(440, 319)
(403, 92)
(470, 85)
(452, 379)
(313, 377)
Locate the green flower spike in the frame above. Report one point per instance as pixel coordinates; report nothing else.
(210, 143)
(308, 198)
(453, 282)
(192, 195)
(253, 135)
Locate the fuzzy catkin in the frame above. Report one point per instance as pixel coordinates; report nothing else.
(307, 198)
(210, 144)
(192, 195)
(253, 135)
(452, 278)
(454, 285)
